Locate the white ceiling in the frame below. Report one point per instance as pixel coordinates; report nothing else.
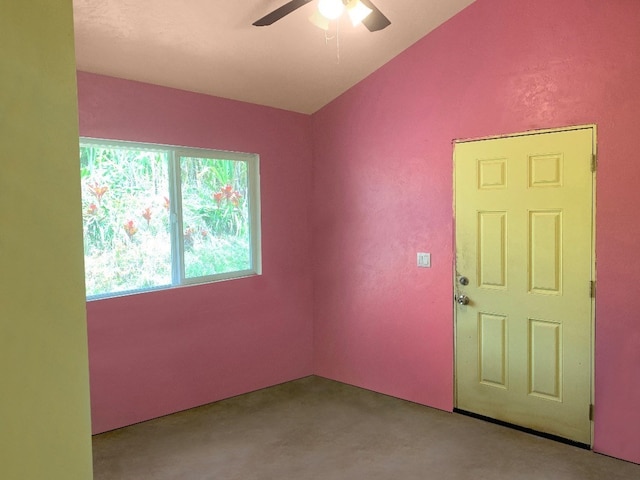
(210, 46)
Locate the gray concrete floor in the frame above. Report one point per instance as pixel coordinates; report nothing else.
(315, 428)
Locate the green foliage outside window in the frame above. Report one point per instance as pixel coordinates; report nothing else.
(215, 213)
(127, 210)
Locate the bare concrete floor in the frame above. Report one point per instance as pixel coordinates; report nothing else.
(319, 429)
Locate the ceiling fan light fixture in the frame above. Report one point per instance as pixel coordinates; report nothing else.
(330, 9)
(319, 20)
(357, 11)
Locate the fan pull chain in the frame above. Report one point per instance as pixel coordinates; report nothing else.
(338, 42)
(328, 38)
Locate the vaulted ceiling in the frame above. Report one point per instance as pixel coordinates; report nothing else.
(210, 46)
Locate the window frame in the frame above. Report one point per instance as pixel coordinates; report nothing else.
(174, 155)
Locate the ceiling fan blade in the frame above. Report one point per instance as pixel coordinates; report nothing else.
(278, 13)
(375, 20)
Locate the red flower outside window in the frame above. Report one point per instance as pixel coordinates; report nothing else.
(130, 228)
(97, 190)
(146, 214)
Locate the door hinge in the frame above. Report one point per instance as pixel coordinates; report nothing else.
(591, 412)
(594, 162)
(592, 289)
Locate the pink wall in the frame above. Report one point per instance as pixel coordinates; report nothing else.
(161, 352)
(383, 191)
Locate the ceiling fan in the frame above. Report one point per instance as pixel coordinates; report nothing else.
(359, 10)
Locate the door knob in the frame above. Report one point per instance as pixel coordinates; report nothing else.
(462, 300)
(464, 281)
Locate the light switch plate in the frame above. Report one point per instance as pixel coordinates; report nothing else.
(424, 260)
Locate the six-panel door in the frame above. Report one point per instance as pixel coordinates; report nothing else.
(524, 241)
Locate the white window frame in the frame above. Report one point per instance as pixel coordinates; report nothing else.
(174, 154)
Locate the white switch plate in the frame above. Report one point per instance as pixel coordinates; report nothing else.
(424, 260)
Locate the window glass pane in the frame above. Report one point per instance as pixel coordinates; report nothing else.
(215, 213)
(125, 204)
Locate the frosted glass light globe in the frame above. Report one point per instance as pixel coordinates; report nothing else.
(331, 9)
(357, 11)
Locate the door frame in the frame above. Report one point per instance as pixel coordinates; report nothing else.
(594, 147)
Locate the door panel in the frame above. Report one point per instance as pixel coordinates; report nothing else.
(523, 240)
(545, 252)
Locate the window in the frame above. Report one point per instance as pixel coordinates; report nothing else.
(157, 216)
